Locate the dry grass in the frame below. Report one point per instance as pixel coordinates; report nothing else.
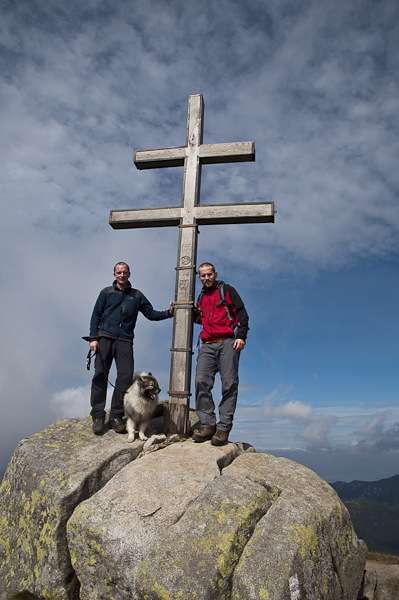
(383, 559)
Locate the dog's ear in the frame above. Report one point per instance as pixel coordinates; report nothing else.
(150, 374)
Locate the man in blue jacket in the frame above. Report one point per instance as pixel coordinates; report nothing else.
(111, 336)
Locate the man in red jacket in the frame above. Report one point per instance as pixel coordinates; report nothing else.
(224, 320)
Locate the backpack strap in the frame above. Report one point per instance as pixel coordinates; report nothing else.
(124, 294)
(222, 296)
(199, 302)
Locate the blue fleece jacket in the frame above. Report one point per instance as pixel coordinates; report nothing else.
(121, 323)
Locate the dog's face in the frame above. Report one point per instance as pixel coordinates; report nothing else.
(149, 386)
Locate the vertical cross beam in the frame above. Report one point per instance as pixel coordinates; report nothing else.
(176, 417)
(187, 216)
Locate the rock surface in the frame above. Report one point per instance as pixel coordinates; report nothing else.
(305, 545)
(49, 474)
(289, 538)
(196, 557)
(86, 517)
(111, 533)
(381, 583)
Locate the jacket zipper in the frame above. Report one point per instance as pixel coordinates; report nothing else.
(122, 312)
(209, 312)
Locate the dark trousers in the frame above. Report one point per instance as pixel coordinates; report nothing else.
(122, 352)
(213, 358)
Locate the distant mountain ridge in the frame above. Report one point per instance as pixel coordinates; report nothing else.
(383, 490)
(374, 510)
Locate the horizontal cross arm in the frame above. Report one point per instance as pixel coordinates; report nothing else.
(160, 157)
(246, 212)
(227, 153)
(208, 154)
(137, 218)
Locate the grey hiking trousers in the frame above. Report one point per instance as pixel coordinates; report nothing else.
(213, 358)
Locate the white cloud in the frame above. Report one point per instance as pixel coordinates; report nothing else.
(72, 402)
(84, 85)
(317, 433)
(373, 427)
(379, 434)
(294, 410)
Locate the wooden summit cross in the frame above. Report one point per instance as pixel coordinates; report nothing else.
(187, 217)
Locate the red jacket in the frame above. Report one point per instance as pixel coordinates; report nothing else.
(213, 317)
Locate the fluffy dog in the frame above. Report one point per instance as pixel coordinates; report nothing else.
(140, 402)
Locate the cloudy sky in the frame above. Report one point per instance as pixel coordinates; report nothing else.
(315, 85)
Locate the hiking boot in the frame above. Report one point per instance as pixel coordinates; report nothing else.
(220, 438)
(205, 433)
(118, 425)
(98, 425)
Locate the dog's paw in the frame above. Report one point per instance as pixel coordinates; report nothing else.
(143, 437)
(130, 438)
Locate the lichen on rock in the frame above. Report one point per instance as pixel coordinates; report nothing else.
(133, 510)
(49, 474)
(196, 557)
(94, 518)
(306, 537)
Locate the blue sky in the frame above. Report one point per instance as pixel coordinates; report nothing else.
(315, 85)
